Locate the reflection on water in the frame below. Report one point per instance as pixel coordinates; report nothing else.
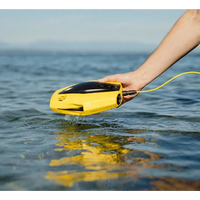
(92, 153)
(175, 184)
(96, 156)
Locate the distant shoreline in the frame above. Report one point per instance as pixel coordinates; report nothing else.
(66, 52)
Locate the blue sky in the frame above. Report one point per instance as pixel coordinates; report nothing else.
(146, 26)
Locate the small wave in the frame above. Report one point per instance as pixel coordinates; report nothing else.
(15, 115)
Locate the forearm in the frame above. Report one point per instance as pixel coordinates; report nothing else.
(181, 39)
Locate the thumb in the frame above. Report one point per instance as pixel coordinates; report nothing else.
(101, 80)
(109, 78)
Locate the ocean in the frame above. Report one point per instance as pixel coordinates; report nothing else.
(151, 143)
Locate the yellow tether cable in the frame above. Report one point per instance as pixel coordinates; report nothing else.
(191, 72)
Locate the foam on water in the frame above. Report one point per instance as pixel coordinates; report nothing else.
(72, 118)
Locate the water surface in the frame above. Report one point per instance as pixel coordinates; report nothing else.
(150, 143)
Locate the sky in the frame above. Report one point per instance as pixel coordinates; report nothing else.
(148, 26)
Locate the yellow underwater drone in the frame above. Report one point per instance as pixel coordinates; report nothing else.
(92, 97)
(87, 98)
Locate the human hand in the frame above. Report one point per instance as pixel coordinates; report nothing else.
(129, 81)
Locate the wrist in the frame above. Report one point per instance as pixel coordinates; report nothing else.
(141, 76)
(137, 80)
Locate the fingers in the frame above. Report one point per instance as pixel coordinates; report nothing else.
(128, 98)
